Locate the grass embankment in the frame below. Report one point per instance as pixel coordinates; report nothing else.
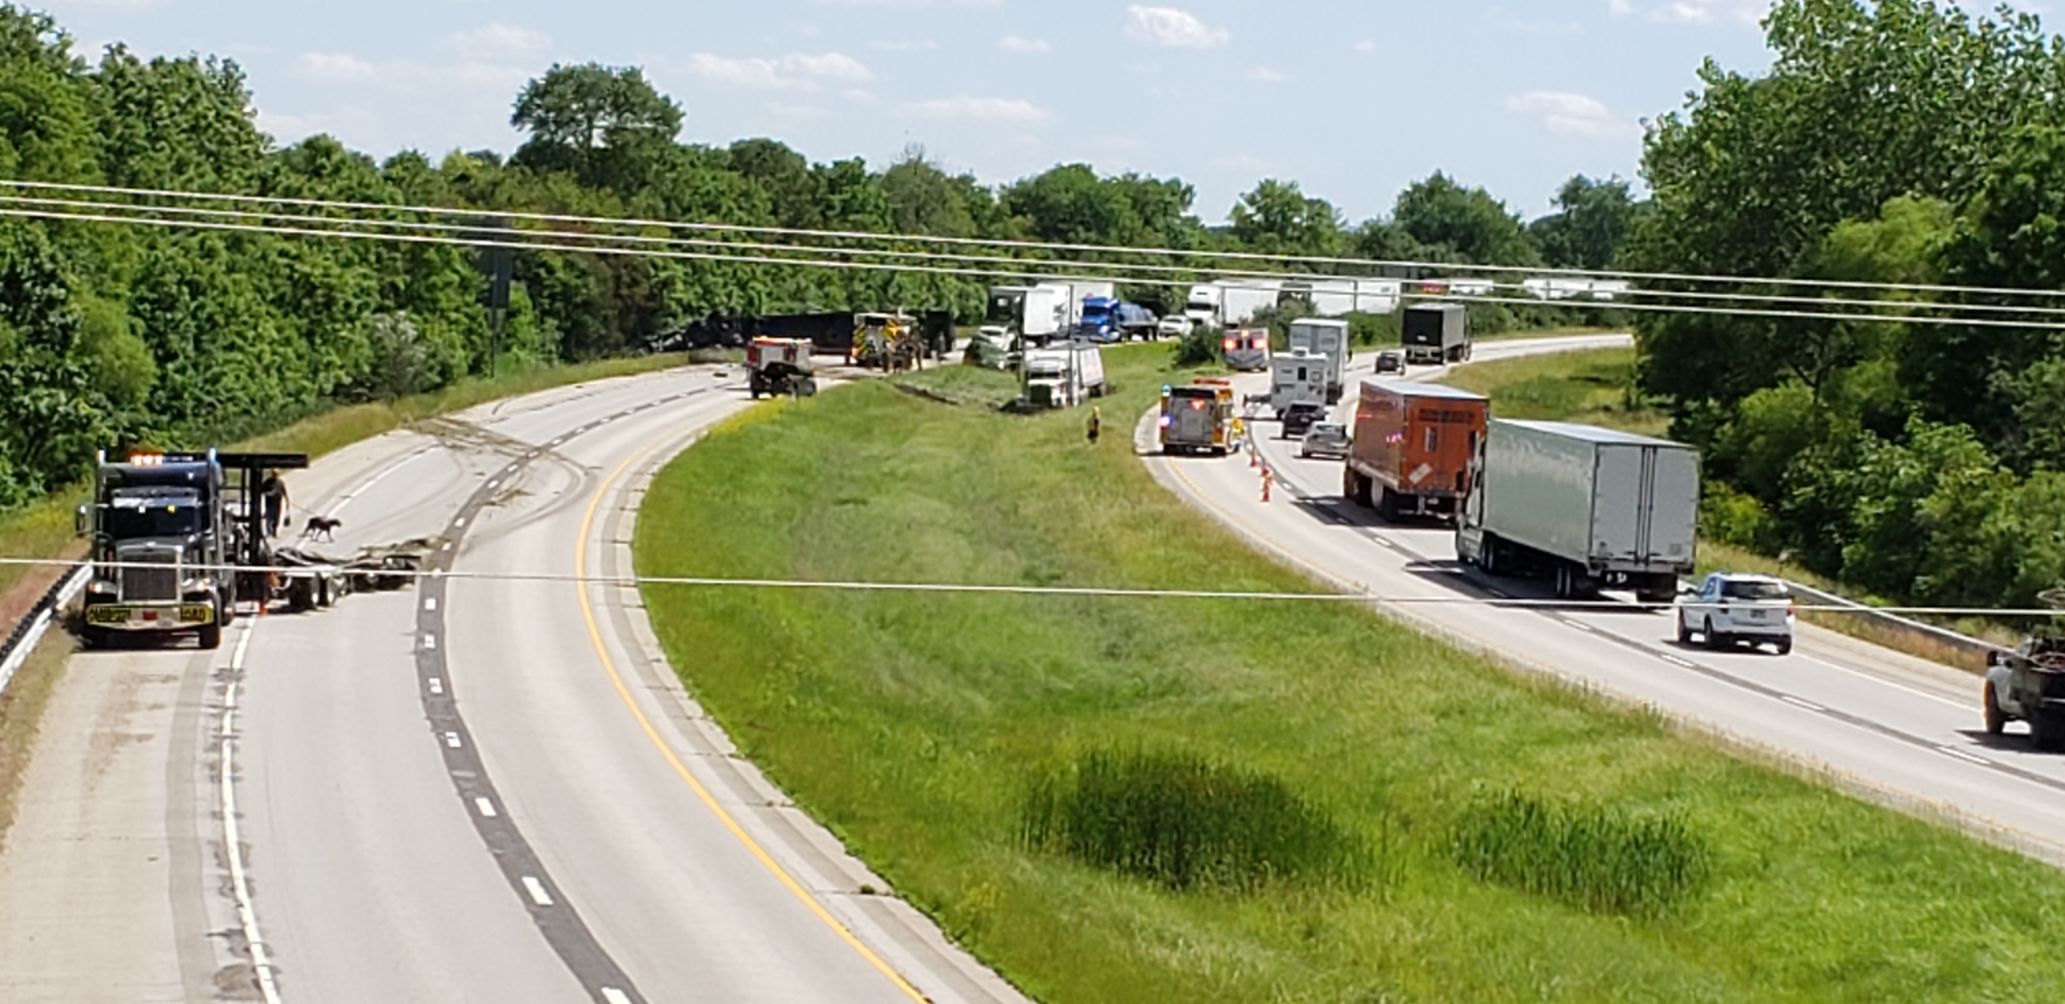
(21, 715)
(1127, 800)
(44, 530)
(1594, 386)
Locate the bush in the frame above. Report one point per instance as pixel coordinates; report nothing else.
(1731, 517)
(1182, 822)
(1198, 348)
(1600, 859)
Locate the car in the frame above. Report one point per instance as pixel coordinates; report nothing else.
(1391, 361)
(1325, 439)
(1299, 417)
(1731, 608)
(1173, 327)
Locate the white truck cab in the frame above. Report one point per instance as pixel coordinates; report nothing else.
(1731, 608)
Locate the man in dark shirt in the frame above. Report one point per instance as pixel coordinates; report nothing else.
(272, 495)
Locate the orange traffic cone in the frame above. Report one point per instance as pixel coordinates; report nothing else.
(1268, 476)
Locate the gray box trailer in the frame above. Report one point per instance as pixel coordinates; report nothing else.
(1586, 506)
(1435, 333)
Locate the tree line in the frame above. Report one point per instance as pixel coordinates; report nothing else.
(118, 335)
(1893, 141)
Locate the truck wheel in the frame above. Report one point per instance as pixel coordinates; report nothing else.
(1564, 588)
(210, 637)
(1387, 506)
(2048, 731)
(1488, 554)
(93, 637)
(1996, 719)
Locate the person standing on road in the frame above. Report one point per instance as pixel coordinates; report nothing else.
(1096, 423)
(272, 500)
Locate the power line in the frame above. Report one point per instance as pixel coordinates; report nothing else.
(1031, 245)
(1270, 281)
(969, 588)
(341, 230)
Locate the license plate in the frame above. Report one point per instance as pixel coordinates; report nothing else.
(107, 615)
(195, 614)
(1757, 615)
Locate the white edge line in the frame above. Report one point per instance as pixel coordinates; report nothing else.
(232, 839)
(1801, 702)
(1966, 757)
(615, 996)
(437, 685)
(452, 739)
(1882, 681)
(486, 807)
(537, 891)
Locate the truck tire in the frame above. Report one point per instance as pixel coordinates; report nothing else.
(1488, 555)
(210, 637)
(1566, 587)
(1785, 646)
(1387, 505)
(93, 637)
(1996, 719)
(2048, 731)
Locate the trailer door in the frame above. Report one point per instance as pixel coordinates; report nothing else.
(1620, 501)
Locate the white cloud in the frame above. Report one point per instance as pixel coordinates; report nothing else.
(490, 75)
(1266, 75)
(1022, 44)
(785, 110)
(986, 109)
(910, 4)
(905, 45)
(333, 66)
(797, 70)
(497, 38)
(859, 95)
(1568, 114)
(1173, 27)
(1741, 12)
(1366, 45)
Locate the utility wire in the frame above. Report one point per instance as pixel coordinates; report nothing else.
(730, 582)
(864, 235)
(1265, 280)
(342, 230)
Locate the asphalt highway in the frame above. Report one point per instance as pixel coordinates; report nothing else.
(466, 790)
(1888, 726)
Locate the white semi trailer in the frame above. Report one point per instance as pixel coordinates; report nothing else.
(1585, 506)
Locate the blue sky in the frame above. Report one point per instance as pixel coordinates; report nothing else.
(1352, 99)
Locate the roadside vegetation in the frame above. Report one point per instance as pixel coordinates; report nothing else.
(1123, 800)
(21, 715)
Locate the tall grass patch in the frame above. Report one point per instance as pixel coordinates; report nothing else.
(1184, 822)
(1596, 857)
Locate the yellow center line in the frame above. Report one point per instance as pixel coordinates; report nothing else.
(652, 733)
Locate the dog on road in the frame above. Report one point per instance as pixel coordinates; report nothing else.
(320, 527)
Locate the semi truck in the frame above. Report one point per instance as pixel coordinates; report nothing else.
(1034, 314)
(1328, 338)
(1197, 418)
(1435, 333)
(1586, 506)
(1064, 376)
(1074, 294)
(177, 540)
(1106, 320)
(1412, 447)
(1226, 303)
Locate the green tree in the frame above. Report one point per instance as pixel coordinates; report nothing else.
(1591, 221)
(607, 124)
(1279, 218)
(1466, 224)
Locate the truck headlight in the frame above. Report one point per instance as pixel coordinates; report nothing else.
(100, 587)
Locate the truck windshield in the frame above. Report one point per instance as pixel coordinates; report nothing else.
(1003, 309)
(153, 514)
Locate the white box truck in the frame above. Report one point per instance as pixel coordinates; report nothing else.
(1587, 507)
(1296, 377)
(1325, 337)
(1064, 376)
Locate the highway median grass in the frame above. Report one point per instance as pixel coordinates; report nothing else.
(1039, 772)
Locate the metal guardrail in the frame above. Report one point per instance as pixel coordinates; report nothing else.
(1977, 647)
(30, 630)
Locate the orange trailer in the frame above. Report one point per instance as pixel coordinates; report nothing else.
(1413, 446)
